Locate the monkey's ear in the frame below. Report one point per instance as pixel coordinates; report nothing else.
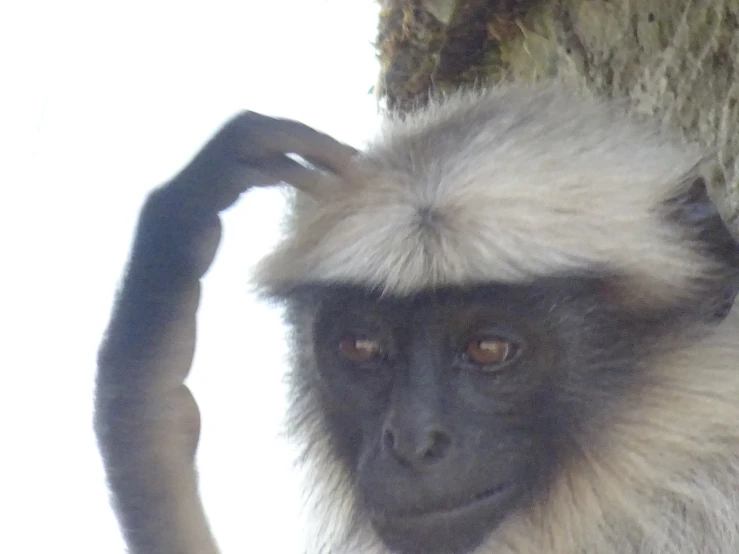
(694, 210)
(710, 296)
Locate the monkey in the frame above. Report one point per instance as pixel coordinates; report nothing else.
(511, 329)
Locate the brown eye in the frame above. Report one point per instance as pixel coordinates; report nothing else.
(490, 351)
(359, 350)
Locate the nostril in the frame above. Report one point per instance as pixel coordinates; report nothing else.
(388, 439)
(437, 444)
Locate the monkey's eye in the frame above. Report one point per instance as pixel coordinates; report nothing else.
(489, 351)
(359, 349)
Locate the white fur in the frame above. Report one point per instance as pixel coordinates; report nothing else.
(516, 183)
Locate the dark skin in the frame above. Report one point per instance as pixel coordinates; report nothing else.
(146, 420)
(453, 409)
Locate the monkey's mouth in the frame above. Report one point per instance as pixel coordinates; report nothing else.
(488, 498)
(457, 526)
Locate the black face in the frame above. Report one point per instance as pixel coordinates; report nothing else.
(452, 409)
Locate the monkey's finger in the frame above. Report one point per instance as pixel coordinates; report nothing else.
(267, 136)
(283, 169)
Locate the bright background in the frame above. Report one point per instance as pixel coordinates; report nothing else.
(99, 103)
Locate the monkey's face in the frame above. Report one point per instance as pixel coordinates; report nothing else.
(451, 409)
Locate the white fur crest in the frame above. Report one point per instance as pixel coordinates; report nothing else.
(505, 185)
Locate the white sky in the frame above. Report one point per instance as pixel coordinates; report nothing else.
(99, 103)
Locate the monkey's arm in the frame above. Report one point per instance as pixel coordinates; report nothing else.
(146, 420)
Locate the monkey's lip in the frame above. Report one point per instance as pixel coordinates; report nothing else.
(488, 498)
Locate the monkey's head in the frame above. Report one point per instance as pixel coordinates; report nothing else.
(502, 323)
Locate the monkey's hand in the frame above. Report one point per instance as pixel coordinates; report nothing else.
(146, 420)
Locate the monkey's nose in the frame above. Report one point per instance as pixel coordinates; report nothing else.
(416, 448)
